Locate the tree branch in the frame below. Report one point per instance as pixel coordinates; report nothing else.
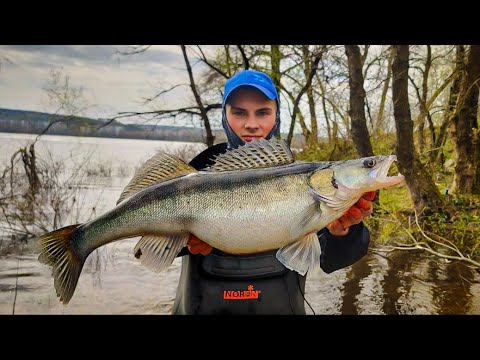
(213, 67)
(244, 57)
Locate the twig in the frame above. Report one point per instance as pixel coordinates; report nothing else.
(435, 242)
(16, 286)
(427, 248)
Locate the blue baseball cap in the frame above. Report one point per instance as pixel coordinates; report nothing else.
(262, 82)
(254, 78)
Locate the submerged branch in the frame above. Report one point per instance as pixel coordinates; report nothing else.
(425, 245)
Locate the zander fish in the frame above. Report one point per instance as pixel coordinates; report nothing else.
(253, 199)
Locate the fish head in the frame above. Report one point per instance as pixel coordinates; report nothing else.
(341, 184)
(366, 174)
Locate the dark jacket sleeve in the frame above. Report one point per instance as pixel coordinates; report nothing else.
(342, 251)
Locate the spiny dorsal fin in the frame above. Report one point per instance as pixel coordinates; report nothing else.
(157, 252)
(255, 154)
(159, 168)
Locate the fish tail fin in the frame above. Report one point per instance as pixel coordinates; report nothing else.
(56, 249)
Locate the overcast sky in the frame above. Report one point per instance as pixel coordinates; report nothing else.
(112, 83)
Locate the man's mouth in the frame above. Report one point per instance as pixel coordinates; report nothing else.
(251, 137)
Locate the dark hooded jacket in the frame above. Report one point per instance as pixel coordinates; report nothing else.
(221, 283)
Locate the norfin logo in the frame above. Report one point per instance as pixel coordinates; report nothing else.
(241, 295)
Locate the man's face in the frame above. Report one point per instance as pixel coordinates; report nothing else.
(251, 114)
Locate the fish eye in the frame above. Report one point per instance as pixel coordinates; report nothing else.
(369, 163)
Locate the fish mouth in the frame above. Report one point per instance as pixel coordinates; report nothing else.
(381, 177)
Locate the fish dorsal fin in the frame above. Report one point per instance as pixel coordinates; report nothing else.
(159, 168)
(253, 155)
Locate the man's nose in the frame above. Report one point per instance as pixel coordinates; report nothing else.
(251, 122)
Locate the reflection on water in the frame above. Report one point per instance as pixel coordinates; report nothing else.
(114, 282)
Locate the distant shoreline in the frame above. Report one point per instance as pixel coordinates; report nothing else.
(100, 137)
(32, 122)
(95, 137)
(35, 123)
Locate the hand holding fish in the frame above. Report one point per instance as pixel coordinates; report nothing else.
(197, 246)
(360, 210)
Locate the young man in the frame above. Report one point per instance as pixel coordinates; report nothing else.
(213, 282)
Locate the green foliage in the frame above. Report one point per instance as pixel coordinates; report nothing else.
(457, 224)
(384, 144)
(326, 151)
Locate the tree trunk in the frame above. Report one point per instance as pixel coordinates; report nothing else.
(441, 139)
(246, 63)
(228, 60)
(313, 136)
(423, 100)
(466, 127)
(324, 105)
(379, 127)
(301, 120)
(422, 188)
(206, 122)
(276, 75)
(360, 134)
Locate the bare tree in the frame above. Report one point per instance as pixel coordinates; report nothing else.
(313, 137)
(360, 135)
(426, 103)
(206, 121)
(35, 196)
(314, 66)
(379, 124)
(246, 62)
(457, 75)
(423, 101)
(202, 107)
(422, 188)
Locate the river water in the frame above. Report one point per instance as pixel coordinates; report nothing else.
(114, 282)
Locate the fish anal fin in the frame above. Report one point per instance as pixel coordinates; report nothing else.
(157, 252)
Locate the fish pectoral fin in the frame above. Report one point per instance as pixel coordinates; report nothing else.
(311, 214)
(157, 252)
(159, 168)
(301, 256)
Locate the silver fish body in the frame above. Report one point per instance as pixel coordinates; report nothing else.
(238, 212)
(253, 199)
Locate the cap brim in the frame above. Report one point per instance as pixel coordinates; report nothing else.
(264, 90)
